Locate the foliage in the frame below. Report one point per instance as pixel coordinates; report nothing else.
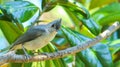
(82, 20)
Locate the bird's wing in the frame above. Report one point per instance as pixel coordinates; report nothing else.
(31, 34)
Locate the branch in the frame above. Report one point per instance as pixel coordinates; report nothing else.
(12, 57)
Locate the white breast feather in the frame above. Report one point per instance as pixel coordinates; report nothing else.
(39, 42)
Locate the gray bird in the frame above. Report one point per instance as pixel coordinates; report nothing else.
(37, 36)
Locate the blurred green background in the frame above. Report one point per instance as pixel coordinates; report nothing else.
(81, 20)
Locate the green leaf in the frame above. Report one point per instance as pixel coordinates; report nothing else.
(84, 10)
(99, 3)
(77, 12)
(110, 18)
(114, 46)
(47, 5)
(10, 30)
(107, 14)
(2, 17)
(91, 57)
(52, 63)
(4, 43)
(4, 1)
(27, 64)
(37, 3)
(92, 25)
(77, 9)
(72, 17)
(113, 8)
(78, 62)
(19, 11)
(103, 54)
(85, 31)
(16, 64)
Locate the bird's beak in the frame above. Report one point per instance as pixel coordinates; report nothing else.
(56, 23)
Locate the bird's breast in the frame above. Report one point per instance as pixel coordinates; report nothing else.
(39, 42)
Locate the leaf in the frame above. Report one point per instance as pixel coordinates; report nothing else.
(110, 18)
(16, 65)
(74, 40)
(11, 32)
(103, 54)
(72, 17)
(76, 13)
(100, 3)
(37, 3)
(92, 25)
(27, 64)
(107, 14)
(85, 31)
(114, 46)
(57, 62)
(78, 62)
(4, 1)
(110, 8)
(76, 9)
(2, 17)
(91, 57)
(84, 10)
(3, 42)
(19, 11)
(47, 5)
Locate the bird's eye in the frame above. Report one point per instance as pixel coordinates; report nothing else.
(53, 25)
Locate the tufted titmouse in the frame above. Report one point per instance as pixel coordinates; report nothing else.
(37, 36)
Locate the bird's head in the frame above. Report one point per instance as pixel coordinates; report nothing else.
(54, 25)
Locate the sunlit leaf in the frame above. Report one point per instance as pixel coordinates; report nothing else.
(37, 3)
(11, 32)
(16, 64)
(19, 11)
(103, 54)
(57, 62)
(77, 9)
(47, 5)
(85, 31)
(94, 56)
(107, 14)
(99, 3)
(76, 40)
(4, 43)
(92, 25)
(78, 62)
(114, 46)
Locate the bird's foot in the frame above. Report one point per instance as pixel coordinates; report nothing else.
(27, 57)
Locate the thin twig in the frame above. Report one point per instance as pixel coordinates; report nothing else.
(12, 57)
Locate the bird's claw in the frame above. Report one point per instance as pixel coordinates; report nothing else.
(27, 57)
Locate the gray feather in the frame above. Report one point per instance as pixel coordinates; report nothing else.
(29, 35)
(38, 31)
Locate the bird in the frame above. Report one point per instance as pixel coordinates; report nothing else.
(37, 37)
